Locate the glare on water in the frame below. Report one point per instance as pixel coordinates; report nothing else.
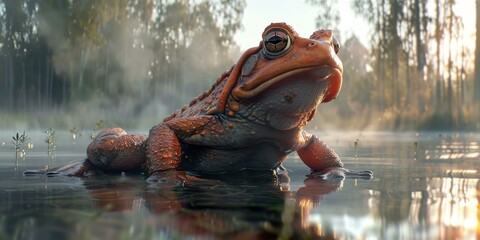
(430, 191)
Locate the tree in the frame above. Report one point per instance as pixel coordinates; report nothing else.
(118, 54)
(419, 80)
(477, 59)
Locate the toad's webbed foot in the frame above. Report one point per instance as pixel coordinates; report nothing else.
(75, 169)
(173, 177)
(340, 173)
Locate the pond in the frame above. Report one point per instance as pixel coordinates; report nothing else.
(425, 186)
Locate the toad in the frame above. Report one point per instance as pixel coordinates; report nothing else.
(251, 118)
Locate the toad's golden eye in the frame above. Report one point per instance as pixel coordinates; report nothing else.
(276, 42)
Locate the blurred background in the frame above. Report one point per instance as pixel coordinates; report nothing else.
(409, 64)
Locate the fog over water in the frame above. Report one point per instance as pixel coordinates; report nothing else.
(130, 63)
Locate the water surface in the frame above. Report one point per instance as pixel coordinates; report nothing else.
(425, 186)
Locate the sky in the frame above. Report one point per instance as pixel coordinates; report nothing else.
(301, 16)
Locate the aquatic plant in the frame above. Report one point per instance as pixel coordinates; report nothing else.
(100, 125)
(75, 132)
(50, 140)
(415, 148)
(18, 142)
(356, 144)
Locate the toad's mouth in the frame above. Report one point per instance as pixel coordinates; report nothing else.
(317, 74)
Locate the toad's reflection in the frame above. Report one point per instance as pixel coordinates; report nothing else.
(259, 206)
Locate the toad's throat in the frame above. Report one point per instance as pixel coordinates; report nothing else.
(257, 86)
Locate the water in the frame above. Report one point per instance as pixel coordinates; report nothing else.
(426, 186)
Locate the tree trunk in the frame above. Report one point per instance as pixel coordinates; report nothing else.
(421, 59)
(450, 65)
(477, 61)
(438, 40)
(380, 58)
(394, 49)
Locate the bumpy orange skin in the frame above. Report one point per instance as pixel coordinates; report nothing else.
(318, 156)
(115, 150)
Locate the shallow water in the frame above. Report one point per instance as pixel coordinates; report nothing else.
(425, 186)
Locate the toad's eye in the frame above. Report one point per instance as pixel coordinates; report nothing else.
(276, 42)
(336, 45)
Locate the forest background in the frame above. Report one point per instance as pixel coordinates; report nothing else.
(70, 64)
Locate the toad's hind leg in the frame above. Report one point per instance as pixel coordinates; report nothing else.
(112, 150)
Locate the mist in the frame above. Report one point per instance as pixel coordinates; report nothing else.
(129, 63)
(67, 64)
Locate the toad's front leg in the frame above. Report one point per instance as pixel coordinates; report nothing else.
(324, 162)
(164, 154)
